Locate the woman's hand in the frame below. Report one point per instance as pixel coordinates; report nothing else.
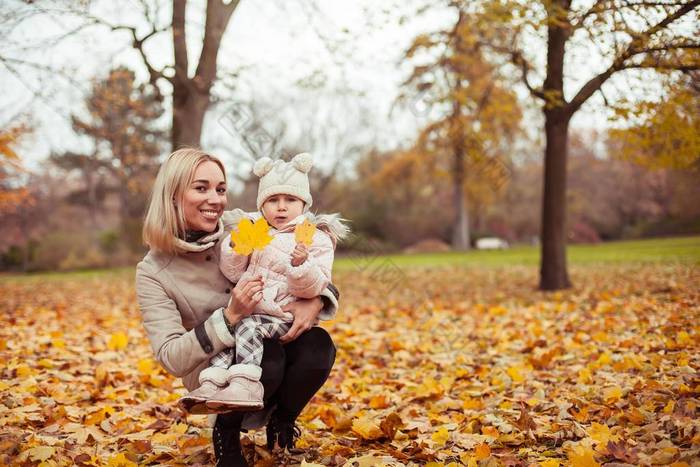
(244, 299)
(305, 316)
(299, 255)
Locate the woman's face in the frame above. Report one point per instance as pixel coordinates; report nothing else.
(205, 199)
(280, 209)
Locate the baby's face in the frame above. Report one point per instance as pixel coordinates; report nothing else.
(280, 209)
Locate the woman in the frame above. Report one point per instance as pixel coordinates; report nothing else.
(189, 308)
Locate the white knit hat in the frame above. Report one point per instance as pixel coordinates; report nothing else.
(288, 178)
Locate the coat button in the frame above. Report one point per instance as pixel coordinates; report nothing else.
(208, 258)
(228, 290)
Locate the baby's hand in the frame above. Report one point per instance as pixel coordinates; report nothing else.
(300, 254)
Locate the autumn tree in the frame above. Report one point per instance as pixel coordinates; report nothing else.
(190, 78)
(127, 140)
(187, 79)
(480, 116)
(12, 191)
(628, 34)
(663, 134)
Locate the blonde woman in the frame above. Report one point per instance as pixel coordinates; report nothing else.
(189, 308)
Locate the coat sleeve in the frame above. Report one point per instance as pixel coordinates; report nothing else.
(311, 278)
(177, 349)
(232, 264)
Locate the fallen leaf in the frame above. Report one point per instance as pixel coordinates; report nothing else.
(41, 453)
(118, 341)
(582, 456)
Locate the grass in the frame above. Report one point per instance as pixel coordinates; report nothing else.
(663, 250)
(684, 250)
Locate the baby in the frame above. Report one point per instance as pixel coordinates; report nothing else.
(289, 270)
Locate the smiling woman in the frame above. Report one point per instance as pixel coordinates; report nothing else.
(204, 199)
(189, 307)
(189, 194)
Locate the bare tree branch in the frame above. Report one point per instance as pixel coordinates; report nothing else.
(179, 38)
(637, 46)
(138, 44)
(218, 15)
(520, 61)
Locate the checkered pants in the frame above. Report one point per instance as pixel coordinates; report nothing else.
(249, 333)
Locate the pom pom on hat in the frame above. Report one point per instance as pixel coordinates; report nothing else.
(263, 166)
(303, 162)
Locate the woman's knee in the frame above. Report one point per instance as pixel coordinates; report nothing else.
(314, 350)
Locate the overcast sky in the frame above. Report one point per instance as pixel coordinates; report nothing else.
(336, 69)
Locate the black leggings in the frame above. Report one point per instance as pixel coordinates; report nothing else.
(291, 374)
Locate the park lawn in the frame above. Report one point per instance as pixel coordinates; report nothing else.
(667, 250)
(684, 250)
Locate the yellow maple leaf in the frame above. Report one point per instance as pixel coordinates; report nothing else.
(612, 395)
(468, 460)
(550, 463)
(41, 453)
(515, 374)
(180, 428)
(379, 401)
(24, 371)
(601, 434)
(120, 460)
(669, 406)
(683, 338)
(118, 341)
(249, 237)
(146, 366)
(582, 456)
(366, 428)
(441, 436)
(304, 233)
(482, 451)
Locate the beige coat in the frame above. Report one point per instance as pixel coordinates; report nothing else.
(285, 283)
(176, 293)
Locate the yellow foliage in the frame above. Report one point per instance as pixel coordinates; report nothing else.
(118, 341)
(612, 395)
(582, 456)
(120, 460)
(304, 233)
(366, 428)
(249, 237)
(441, 436)
(667, 134)
(41, 453)
(482, 451)
(601, 434)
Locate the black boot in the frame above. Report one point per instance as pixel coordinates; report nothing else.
(283, 432)
(227, 442)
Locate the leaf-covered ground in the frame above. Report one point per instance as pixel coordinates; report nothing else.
(441, 366)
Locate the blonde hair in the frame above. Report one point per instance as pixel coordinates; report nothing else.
(164, 222)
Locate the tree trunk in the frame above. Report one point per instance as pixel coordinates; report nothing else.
(557, 114)
(189, 108)
(460, 233)
(553, 271)
(191, 96)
